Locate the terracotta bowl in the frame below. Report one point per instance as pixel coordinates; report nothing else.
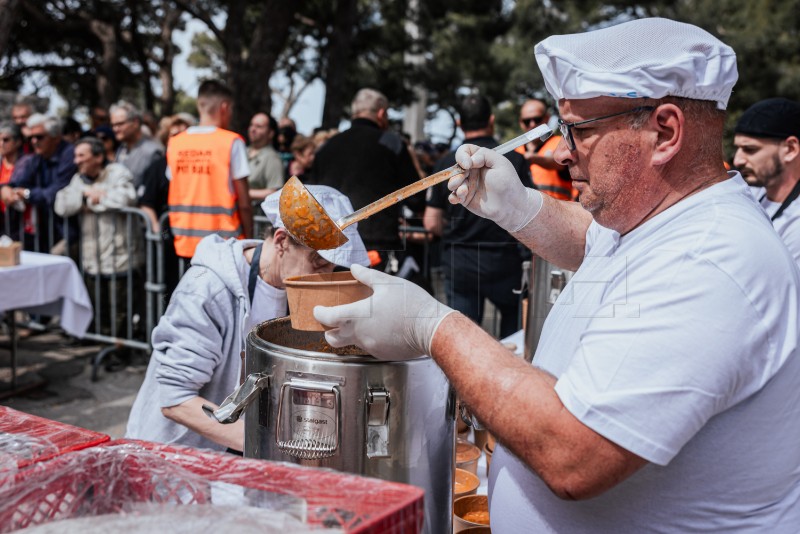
(326, 289)
(467, 456)
(466, 483)
(470, 511)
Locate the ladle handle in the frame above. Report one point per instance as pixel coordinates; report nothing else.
(540, 132)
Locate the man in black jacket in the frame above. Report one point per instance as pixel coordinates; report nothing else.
(480, 260)
(35, 182)
(366, 162)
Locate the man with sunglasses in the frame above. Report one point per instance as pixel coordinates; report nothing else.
(549, 176)
(36, 183)
(664, 392)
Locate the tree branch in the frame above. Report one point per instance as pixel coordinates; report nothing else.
(203, 16)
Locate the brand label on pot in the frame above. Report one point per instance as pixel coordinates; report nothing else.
(309, 423)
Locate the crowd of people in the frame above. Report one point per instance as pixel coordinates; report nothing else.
(663, 395)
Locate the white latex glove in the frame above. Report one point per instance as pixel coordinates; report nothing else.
(492, 189)
(396, 323)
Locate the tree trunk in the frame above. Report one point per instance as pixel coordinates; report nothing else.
(10, 11)
(339, 52)
(108, 71)
(168, 25)
(249, 75)
(140, 50)
(233, 44)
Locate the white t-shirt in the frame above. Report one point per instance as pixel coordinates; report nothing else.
(787, 225)
(678, 342)
(240, 168)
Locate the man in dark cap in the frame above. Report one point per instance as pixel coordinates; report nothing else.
(768, 154)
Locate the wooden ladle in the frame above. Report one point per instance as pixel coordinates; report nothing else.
(306, 219)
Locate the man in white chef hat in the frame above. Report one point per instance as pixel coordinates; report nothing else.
(663, 394)
(232, 286)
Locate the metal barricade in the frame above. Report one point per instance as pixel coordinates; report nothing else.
(125, 279)
(121, 259)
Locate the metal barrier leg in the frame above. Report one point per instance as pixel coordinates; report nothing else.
(99, 359)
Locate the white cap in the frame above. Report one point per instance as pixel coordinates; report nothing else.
(337, 205)
(645, 58)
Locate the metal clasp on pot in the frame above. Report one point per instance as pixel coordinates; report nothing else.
(232, 407)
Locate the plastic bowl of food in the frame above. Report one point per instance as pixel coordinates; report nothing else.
(322, 289)
(465, 483)
(470, 511)
(467, 456)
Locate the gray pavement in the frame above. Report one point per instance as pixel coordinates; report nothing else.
(62, 369)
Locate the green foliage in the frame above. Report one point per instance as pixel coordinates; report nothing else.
(457, 47)
(207, 53)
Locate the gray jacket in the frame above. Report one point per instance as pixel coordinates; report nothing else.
(197, 345)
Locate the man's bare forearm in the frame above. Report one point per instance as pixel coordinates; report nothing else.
(558, 233)
(518, 404)
(190, 414)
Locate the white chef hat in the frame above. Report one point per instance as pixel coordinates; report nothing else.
(650, 58)
(336, 205)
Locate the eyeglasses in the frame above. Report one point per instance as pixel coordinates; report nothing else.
(37, 137)
(6, 139)
(528, 120)
(120, 124)
(566, 127)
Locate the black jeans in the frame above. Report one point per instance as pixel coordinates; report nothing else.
(474, 274)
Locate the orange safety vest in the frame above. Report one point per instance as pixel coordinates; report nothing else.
(552, 182)
(201, 198)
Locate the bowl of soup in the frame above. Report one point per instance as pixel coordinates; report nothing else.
(470, 511)
(465, 483)
(321, 289)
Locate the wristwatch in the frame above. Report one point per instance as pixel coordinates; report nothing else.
(26, 193)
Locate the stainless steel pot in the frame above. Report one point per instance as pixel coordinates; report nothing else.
(544, 286)
(342, 409)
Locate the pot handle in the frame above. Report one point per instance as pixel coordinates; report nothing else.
(232, 407)
(312, 443)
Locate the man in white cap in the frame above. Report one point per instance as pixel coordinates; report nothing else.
(663, 395)
(231, 286)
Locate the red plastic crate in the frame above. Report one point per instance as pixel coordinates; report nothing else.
(26, 438)
(122, 472)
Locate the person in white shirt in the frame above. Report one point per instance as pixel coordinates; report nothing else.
(663, 395)
(208, 169)
(767, 140)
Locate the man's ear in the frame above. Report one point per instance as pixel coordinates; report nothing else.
(668, 122)
(281, 239)
(383, 117)
(790, 149)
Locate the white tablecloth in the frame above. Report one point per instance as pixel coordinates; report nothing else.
(49, 285)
